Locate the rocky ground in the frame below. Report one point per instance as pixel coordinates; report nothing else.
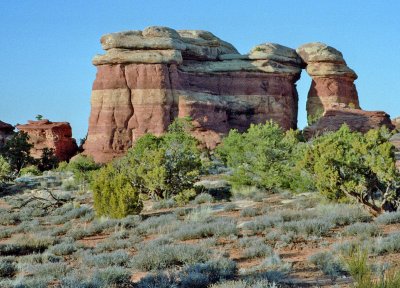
(51, 238)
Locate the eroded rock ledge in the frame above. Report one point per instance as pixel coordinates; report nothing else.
(147, 78)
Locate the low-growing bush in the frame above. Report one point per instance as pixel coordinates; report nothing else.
(246, 284)
(249, 212)
(218, 227)
(7, 268)
(199, 275)
(113, 276)
(327, 263)
(362, 229)
(255, 248)
(388, 244)
(230, 207)
(343, 214)
(103, 260)
(157, 224)
(308, 227)
(63, 249)
(261, 223)
(203, 198)
(164, 204)
(388, 218)
(166, 256)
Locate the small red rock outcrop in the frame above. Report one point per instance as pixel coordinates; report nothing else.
(55, 135)
(357, 119)
(6, 131)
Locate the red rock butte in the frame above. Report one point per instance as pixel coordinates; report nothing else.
(148, 78)
(55, 135)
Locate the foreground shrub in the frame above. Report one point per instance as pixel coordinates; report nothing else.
(199, 275)
(327, 263)
(164, 166)
(166, 256)
(363, 275)
(263, 156)
(388, 218)
(7, 268)
(351, 166)
(113, 194)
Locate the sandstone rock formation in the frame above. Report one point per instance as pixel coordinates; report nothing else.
(396, 123)
(332, 80)
(147, 78)
(356, 119)
(6, 131)
(56, 135)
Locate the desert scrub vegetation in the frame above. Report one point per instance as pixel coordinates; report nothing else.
(156, 167)
(352, 166)
(264, 157)
(166, 256)
(328, 263)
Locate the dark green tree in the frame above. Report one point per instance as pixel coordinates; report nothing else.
(165, 166)
(350, 166)
(48, 160)
(263, 156)
(17, 151)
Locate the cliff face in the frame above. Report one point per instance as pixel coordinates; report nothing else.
(55, 135)
(147, 78)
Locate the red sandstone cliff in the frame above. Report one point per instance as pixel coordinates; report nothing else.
(147, 78)
(55, 135)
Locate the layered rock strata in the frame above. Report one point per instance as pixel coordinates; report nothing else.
(6, 131)
(148, 78)
(55, 135)
(332, 80)
(145, 79)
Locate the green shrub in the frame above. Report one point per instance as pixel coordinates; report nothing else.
(30, 170)
(351, 166)
(5, 170)
(388, 218)
(82, 167)
(362, 229)
(17, 151)
(7, 268)
(264, 157)
(114, 195)
(48, 160)
(363, 275)
(327, 263)
(164, 166)
(170, 255)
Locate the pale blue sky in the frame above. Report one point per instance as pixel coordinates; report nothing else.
(46, 47)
